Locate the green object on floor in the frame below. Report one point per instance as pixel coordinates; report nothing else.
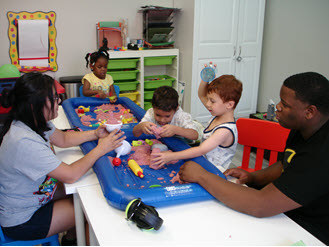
(299, 243)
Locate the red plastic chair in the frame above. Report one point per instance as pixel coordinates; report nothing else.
(262, 135)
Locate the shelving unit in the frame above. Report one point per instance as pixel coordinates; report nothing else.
(143, 65)
(158, 26)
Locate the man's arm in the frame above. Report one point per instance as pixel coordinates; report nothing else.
(266, 202)
(257, 179)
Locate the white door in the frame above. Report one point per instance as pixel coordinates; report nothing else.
(249, 47)
(217, 27)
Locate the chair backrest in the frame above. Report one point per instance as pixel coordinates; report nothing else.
(262, 135)
(116, 89)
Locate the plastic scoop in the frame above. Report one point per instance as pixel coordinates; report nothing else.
(124, 149)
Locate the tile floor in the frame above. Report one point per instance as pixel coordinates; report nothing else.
(236, 161)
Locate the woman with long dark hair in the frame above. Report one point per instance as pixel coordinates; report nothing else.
(33, 203)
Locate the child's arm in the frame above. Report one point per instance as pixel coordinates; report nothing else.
(89, 92)
(221, 136)
(143, 127)
(171, 130)
(202, 92)
(113, 96)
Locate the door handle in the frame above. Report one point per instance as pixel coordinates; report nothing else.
(239, 58)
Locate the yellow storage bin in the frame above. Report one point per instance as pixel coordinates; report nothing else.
(133, 96)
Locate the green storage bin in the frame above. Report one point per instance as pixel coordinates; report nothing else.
(151, 61)
(155, 81)
(127, 85)
(148, 95)
(120, 75)
(147, 105)
(122, 63)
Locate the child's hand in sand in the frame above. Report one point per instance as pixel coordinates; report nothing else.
(160, 159)
(147, 127)
(168, 130)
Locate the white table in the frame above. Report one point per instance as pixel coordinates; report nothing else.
(198, 224)
(70, 155)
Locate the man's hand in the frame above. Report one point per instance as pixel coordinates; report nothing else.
(191, 172)
(243, 177)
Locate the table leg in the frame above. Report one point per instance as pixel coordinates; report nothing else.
(79, 220)
(92, 237)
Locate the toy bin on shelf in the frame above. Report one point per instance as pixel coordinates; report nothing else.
(120, 75)
(148, 95)
(163, 60)
(147, 105)
(133, 95)
(155, 81)
(127, 85)
(130, 63)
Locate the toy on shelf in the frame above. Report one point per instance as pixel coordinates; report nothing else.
(208, 73)
(137, 170)
(111, 35)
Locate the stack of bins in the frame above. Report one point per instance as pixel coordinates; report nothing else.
(124, 73)
(154, 81)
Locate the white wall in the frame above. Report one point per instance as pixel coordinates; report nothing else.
(296, 39)
(184, 25)
(76, 26)
(296, 36)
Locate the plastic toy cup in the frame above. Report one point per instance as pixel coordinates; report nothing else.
(111, 127)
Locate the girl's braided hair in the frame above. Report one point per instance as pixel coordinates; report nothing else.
(91, 58)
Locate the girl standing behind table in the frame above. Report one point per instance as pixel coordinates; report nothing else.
(98, 83)
(33, 203)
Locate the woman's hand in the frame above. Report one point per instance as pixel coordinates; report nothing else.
(101, 131)
(243, 177)
(111, 141)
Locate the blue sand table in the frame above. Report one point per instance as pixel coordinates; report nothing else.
(71, 104)
(120, 185)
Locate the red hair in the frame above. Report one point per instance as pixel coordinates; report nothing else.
(227, 87)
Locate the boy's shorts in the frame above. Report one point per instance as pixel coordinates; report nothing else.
(35, 228)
